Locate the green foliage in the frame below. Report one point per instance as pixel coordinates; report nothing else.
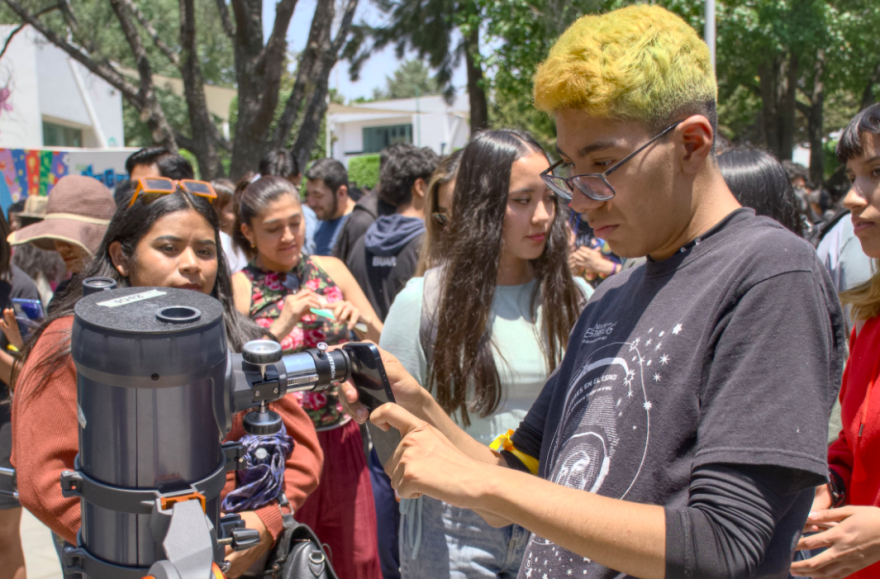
(364, 170)
(522, 33)
(412, 78)
(751, 34)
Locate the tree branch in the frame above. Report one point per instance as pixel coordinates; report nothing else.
(151, 31)
(12, 34)
(161, 131)
(278, 39)
(101, 69)
(228, 28)
(344, 27)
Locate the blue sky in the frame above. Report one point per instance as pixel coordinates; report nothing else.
(374, 70)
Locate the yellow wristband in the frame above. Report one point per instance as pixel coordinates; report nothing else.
(503, 442)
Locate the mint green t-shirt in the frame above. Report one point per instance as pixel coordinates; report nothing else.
(518, 350)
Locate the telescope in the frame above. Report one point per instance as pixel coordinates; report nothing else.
(157, 390)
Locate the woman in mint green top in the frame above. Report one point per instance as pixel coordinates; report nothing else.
(483, 331)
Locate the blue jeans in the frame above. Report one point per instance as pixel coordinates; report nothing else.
(439, 541)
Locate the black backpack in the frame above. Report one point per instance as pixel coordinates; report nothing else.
(298, 553)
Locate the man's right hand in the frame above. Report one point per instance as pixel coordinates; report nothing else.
(407, 392)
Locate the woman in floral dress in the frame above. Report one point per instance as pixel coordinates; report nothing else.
(280, 289)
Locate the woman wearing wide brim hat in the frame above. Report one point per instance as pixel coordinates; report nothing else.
(78, 211)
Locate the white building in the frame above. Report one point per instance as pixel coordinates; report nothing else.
(428, 121)
(49, 100)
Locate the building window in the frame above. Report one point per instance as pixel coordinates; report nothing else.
(61, 136)
(377, 138)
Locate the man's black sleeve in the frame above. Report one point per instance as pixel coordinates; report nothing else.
(732, 515)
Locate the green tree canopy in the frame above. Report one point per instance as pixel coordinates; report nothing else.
(412, 78)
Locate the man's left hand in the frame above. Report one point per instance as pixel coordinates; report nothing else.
(426, 462)
(852, 538)
(241, 561)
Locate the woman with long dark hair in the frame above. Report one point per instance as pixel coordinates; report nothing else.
(483, 331)
(167, 240)
(302, 301)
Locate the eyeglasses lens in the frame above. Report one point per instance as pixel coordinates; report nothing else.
(558, 185)
(159, 185)
(198, 188)
(594, 187)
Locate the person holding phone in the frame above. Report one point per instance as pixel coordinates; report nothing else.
(685, 430)
(14, 284)
(285, 290)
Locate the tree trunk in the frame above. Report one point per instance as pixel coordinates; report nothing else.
(203, 130)
(788, 107)
(258, 71)
(868, 95)
(815, 121)
(312, 81)
(308, 74)
(778, 82)
(768, 75)
(151, 111)
(476, 92)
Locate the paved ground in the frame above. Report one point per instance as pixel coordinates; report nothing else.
(39, 553)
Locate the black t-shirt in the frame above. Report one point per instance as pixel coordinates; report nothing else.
(731, 351)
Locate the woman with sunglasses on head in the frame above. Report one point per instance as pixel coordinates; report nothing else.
(482, 330)
(302, 301)
(166, 236)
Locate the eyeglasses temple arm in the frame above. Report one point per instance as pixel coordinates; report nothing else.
(640, 149)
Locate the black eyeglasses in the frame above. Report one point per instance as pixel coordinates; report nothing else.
(593, 185)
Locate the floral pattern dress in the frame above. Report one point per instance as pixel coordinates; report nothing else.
(268, 291)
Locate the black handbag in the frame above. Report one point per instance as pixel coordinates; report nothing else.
(298, 553)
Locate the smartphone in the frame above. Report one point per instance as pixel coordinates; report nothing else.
(374, 390)
(28, 314)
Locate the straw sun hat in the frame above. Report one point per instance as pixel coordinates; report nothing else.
(78, 211)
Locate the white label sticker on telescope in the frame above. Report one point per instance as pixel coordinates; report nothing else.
(81, 417)
(131, 299)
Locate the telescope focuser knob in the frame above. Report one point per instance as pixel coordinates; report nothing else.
(261, 353)
(244, 538)
(322, 347)
(262, 422)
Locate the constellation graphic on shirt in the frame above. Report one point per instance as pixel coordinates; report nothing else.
(593, 423)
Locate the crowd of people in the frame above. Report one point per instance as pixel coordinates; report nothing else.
(622, 359)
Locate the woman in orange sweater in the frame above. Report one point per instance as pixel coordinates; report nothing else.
(161, 241)
(846, 513)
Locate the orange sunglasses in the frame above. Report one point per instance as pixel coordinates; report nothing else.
(166, 186)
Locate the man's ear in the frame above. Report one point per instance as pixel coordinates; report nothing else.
(420, 188)
(248, 234)
(342, 191)
(696, 136)
(117, 256)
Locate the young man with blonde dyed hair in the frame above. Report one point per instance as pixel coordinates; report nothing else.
(686, 426)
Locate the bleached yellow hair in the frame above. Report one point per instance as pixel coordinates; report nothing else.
(640, 63)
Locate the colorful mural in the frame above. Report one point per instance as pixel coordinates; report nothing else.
(34, 171)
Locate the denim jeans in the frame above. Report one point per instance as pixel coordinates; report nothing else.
(439, 541)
